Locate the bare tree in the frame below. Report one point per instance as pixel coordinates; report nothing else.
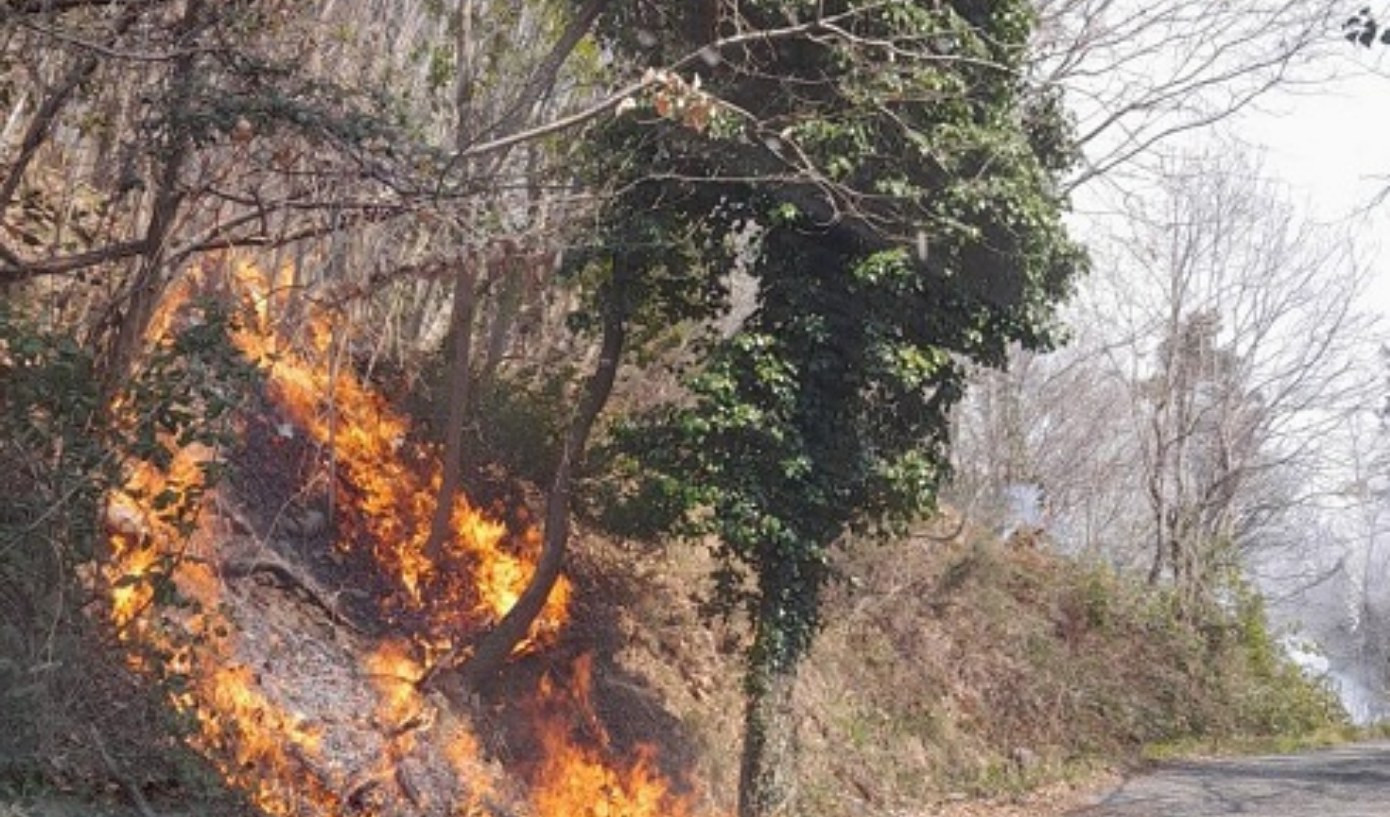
(1239, 334)
(1218, 355)
(1045, 444)
(1138, 74)
(1140, 80)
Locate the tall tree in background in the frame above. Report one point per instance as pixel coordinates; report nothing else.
(1227, 330)
(1201, 446)
(1254, 360)
(1142, 81)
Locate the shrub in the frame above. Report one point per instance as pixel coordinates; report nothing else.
(63, 689)
(961, 657)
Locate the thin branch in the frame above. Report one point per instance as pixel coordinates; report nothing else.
(13, 7)
(100, 49)
(48, 112)
(544, 75)
(16, 270)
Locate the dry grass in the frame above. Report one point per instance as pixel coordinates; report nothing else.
(641, 605)
(955, 677)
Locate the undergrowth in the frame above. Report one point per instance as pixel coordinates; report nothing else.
(981, 668)
(953, 668)
(73, 718)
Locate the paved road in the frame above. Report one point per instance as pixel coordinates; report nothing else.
(1350, 781)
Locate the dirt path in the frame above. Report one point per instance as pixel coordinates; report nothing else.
(1349, 781)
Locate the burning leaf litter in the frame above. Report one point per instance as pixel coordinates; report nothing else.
(308, 718)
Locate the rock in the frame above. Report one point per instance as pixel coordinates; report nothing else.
(1025, 760)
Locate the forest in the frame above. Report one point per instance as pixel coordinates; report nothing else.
(616, 407)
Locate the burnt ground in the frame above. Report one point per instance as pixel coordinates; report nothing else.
(282, 485)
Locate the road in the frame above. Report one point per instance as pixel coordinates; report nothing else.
(1349, 781)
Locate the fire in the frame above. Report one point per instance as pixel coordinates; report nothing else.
(265, 747)
(580, 780)
(260, 746)
(265, 739)
(396, 504)
(396, 673)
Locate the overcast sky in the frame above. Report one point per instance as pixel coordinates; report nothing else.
(1331, 144)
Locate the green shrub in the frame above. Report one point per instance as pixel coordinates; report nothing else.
(521, 423)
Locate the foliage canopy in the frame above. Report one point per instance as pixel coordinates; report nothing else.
(899, 176)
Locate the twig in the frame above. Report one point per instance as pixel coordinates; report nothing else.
(241, 566)
(141, 804)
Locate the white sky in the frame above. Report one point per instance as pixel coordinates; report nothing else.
(1331, 144)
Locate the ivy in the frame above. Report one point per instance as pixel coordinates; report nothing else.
(926, 234)
(828, 408)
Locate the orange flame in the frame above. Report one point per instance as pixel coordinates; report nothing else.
(396, 505)
(263, 748)
(259, 745)
(581, 780)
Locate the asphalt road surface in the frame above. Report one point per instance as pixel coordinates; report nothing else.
(1349, 781)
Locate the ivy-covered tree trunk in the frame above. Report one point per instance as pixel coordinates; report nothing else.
(768, 761)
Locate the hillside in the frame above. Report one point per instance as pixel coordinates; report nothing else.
(957, 675)
(952, 668)
(293, 624)
(474, 408)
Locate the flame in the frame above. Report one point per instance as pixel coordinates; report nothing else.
(249, 730)
(396, 504)
(580, 779)
(259, 748)
(264, 749)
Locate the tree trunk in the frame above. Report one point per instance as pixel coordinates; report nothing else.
(460, 379)
(148, 286)
(497, 644)
(461, 313)
(767, 765)
(505, 308)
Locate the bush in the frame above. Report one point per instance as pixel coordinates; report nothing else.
(521, 423)
(516, 420)
(64, 691)
(987, 668)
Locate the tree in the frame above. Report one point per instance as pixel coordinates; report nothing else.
(1201, 444)
(1234, 324)
(899, 174)
(1138, 76)
(651, 264)
(1042, 442)
(469, 113)
(1141, 80)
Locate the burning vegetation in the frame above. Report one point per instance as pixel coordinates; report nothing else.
(298, 633)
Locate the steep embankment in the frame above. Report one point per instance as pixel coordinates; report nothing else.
(953, 667)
